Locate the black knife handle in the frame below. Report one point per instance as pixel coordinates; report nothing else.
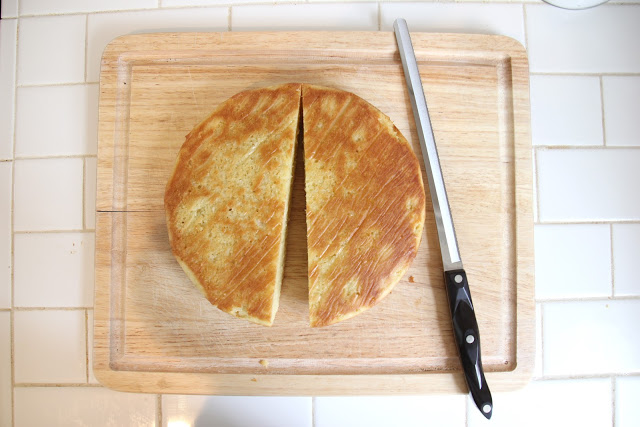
(467, 334)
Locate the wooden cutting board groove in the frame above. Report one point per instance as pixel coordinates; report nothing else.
(154, 332)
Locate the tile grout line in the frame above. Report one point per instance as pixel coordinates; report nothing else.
(56, 157)
(602, 298)
(50, 308)
(587, 147)
(466, 411)
(13, 192)
(313, 411)
(379, 16)
(86, 45)
(583, 376)
(229, 19)
(55, 84)
(613, 274)
(583, 74)
(613, 401)
(86, 343)
(54, 231)
(586, 221)
(159, 410)
(604, 129)
(542, 339)
(84, 192)
(57, 385)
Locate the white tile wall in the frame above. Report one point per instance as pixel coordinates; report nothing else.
(9, 9)
(626, 253)
(380, 411)
(48, 194)
(538, 369)
(67, 120)
(334, 16)
(585, 403)
(5, 368)
(90, 181)
(5, 234)
(588, 184)
(627, 408)
(583, 41)
(104, 27)
(231, 411)
(50, 346)
(622, 104)
(51, 50)
(82, 406)
(566, 110)
(8, 34)
(572, 261)
(572, 55)
(46, 7)
(504, 19)
(54, 269)
(591, 337)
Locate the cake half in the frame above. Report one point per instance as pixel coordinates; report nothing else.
(227, 200)
(365, 203)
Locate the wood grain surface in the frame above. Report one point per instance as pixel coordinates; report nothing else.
(154, 332)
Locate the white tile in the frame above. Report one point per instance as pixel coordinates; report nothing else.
(332, 16)
(48, 194)
(5, 234)
(46, 7)
(9, 9)
(537, 370)
(626, 253)
(104, 27)
(67, 118)
(50, 346)
(572, 261)
(588, 184)
(627, 409)
(54, 269)
(82, 406)
(566, 110)
(5, 368)
(92, 377)
(382, 411)
(231, 411)
(90, 181)
(621, 106)
(591, 41)
(503, 19)
(591, 337)
(51, 50)
(8, 34)
(584, 403)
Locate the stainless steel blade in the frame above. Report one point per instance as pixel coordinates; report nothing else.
(444, 222)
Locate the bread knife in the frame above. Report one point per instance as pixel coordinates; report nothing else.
(465, 325)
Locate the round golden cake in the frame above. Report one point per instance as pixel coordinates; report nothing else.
(365, 203)
(227, 200)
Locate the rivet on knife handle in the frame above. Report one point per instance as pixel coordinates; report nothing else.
(465, 326)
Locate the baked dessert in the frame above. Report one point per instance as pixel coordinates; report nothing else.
(227, 200)
(365, 203)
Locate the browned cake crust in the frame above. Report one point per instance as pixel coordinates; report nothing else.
(227, 200)
(365, 203)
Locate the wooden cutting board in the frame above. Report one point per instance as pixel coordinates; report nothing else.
(154, 332)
